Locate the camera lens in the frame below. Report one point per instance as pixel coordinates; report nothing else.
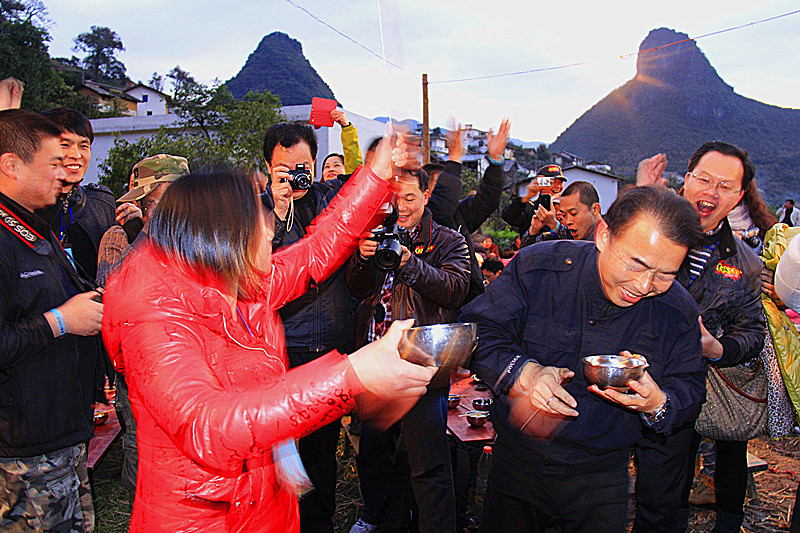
(388, 254)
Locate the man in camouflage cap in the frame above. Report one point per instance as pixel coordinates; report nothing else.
(148, 181)
(151, 172)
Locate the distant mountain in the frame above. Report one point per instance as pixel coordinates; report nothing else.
(278, 65)
(675, 103)
(526, 144)
(409, 123)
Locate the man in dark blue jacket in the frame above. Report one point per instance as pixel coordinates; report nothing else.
(563, 447)
(320, 320)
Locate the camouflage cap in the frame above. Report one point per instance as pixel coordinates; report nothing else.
(150, 172)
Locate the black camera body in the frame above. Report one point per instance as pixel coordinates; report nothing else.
(390, 242)
(300, 179)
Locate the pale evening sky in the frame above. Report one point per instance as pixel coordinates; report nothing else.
(450, 39)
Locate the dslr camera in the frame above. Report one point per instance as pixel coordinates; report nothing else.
(390, 242)
(300, 178)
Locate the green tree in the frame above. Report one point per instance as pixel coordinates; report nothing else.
(543, 154)
(212, 127)
(101, 45)
(156, 82)
(23, 52)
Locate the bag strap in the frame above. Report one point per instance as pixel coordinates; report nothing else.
(734, 387)
(42, 246)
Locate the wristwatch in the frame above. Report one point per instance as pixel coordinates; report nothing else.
(659, 414)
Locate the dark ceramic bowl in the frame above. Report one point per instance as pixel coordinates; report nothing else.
(481, 404)
(453, 400)
(100, 418)
(477, 418)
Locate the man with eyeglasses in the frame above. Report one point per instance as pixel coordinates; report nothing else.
(724, 277)
(563, 446)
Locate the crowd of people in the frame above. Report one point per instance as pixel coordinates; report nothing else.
(240, 320)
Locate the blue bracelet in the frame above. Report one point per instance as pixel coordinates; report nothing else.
(62, 329)
(496, 161)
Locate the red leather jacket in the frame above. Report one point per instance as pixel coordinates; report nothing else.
(210, 400)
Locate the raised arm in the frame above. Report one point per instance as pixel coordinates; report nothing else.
(350, 148)
(331, 238)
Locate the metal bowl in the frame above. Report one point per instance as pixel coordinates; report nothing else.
(481, 404)
(442, 345)
(477, 418)
(613, 371)
(453, 400)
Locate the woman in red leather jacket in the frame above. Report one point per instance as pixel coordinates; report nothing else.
(191, 318)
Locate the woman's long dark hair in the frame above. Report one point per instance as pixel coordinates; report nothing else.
(759, 213)
(210, 222)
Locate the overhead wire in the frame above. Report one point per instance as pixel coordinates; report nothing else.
(382, 57)
(365, 47)
(622, 56)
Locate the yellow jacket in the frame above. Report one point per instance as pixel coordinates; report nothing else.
(784, 335)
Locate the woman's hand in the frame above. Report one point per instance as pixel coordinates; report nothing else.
(394, 152)
(382, 372)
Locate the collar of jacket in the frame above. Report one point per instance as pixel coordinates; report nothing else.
(726, 239)
(31, 219)
(726, 248)
(76, 198)
(425, 231)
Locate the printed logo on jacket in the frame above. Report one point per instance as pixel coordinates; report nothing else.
(726, 270)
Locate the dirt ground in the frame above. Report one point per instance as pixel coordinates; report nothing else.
(771, 510)
(770, 513)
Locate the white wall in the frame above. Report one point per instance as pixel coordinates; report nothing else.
(155, 102)
(129, 128)
(606, 187)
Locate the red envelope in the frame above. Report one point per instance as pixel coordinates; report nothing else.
(321, 112)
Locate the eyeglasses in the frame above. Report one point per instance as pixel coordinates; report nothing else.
(723, 187)
(658, 277)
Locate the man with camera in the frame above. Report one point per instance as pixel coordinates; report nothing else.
(580, 209)
(320, 320)
(424, 276)
(519, 212)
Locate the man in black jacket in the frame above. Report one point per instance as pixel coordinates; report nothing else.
(319, 321)
(520, 211)
(429, 284)
(82, 213)
(467, 215)
(79, 218)
(723, 274)
(45, 306)
(563, 447)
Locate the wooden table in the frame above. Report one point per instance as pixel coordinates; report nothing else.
(458, 425)
(106, 434)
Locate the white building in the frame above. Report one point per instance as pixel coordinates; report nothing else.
(151, 102)
(135, 127)
(607, 185)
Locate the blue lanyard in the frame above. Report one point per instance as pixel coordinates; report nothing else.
(250, 331)
(61, 221)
